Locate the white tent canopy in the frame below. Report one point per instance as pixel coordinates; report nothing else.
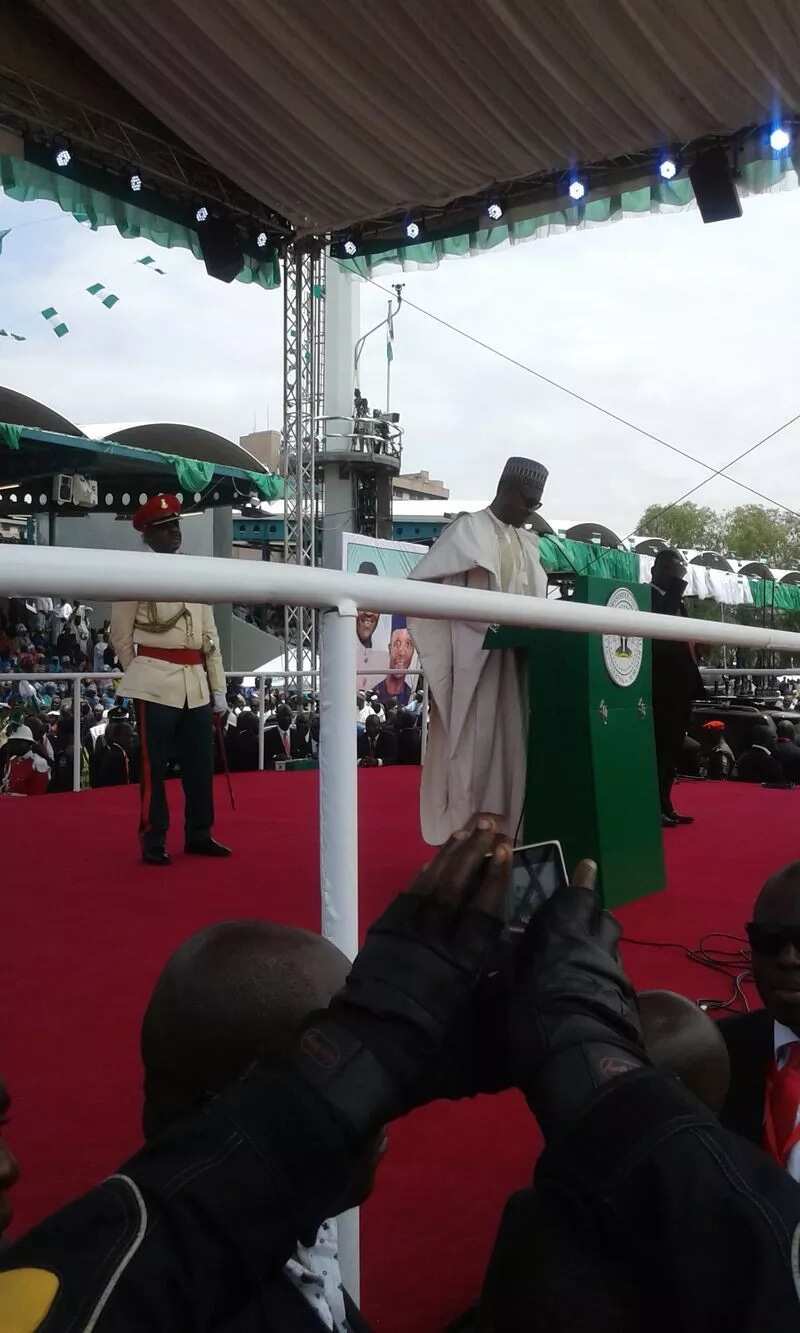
(337, 111)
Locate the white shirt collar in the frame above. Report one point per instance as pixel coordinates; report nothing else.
(766, 751)
(783, 1037)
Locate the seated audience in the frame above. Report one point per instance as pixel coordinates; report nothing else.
(758, 763)
(787, 751)
(117, 755)
(241, 743)
(278, 738)
(377, 745)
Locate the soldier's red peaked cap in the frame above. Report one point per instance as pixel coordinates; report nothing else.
(159, 509)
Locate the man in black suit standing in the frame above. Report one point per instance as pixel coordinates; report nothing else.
(763, 1102)
(676, 680)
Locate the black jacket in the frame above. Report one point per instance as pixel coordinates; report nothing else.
(749, 1039)
(648, 1217)
(300, 747)
(646, 1202)
(756, 765)
(787, 754)
(384, 746)
(676, 676)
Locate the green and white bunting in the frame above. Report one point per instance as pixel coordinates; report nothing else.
(149, 262)
(97, 289)
(60, 328)
(18, 337)
(3, 235)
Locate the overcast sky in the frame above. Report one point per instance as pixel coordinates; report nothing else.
(690, 331)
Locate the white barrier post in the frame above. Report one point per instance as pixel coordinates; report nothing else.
(76, 734)
(262, 707)
(338, 832)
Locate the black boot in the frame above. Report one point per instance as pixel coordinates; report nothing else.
(206, 846)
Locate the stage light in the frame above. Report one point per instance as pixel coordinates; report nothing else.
(667, 169)
(779, 139)
(495, 210)
(577, 189)
(412, 229)
(714, 186)
(63, 157)
(136, 183)
(202, 214)
(261, 240)
(350, 248)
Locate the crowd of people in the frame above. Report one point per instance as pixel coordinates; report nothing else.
(47, 638)
(272, 1069)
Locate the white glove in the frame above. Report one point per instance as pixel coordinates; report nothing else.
(220, 702)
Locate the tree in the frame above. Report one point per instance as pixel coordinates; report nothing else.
(752, 532)
(686, 525)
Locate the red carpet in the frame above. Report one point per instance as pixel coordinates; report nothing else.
(86, 928)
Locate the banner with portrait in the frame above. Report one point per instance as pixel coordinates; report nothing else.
(387, 661)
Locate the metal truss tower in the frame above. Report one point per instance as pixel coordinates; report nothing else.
(303, 399)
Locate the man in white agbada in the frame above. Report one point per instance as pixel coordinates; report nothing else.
(477, 744)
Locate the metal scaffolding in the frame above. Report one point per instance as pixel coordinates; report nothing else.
(303, 399)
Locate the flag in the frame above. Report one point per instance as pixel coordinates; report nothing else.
(147, 260)
(58, 329)
(98, 287)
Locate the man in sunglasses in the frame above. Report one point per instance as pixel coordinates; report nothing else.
(763, 1103)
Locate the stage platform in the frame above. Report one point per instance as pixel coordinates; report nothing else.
(85, 929)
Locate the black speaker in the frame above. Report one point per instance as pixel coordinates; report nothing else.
(220, 248)
(714, 186)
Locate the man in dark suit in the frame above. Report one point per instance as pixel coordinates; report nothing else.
(787, 751)
(377, 744)
(285, 740)
(676, 681)
(763, 1102)
(233, 993)
(758, 762)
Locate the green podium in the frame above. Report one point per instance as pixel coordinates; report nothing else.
(591, 778)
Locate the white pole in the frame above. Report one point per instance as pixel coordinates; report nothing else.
(76, 734)
(261, 711)
(338, 832)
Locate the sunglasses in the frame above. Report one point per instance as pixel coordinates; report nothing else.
(770, 940)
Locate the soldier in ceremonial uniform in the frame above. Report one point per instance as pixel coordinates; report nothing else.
(169, 652)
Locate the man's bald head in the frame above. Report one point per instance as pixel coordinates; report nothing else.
(231, 994)
(682, 1039)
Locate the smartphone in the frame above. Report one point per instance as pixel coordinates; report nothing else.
(536, 872)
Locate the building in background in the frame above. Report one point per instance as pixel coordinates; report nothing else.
(418, 486)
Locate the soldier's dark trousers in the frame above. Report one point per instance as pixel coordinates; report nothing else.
(185, 734)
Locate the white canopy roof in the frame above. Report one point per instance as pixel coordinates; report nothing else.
(337, 111)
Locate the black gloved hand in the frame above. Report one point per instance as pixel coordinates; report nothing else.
(371, 1052)
(574, 1021)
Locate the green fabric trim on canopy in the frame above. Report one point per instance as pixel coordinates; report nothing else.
(192, 473)
(269, 487)
(10, 435)
(774, 172)
(561, 553)
(25, 180)
(780, 596)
